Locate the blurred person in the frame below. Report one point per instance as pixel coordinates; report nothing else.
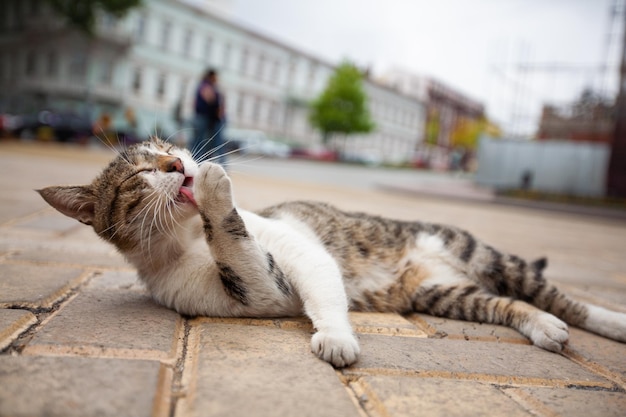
(131, 123)
(209, 120)
(103, 128)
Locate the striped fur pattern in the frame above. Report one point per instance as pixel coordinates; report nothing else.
(199, 254)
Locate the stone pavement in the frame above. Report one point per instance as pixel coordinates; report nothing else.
(80, 337)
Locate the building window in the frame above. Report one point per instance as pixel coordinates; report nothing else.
(140, 27)
(13, 66)
(184, 86)
(136, 81)
(260, 68)
(312, 69)
(166, 31)
(276, 72)
(226, 58)
(243, 67)
(106, 72)
(187, 43)
(292, 72)
(78, 66)
(160, 90)
(208, 48)
(31, 64)
(256, 109)
(239, 108)
(52, 64)
(272, 112)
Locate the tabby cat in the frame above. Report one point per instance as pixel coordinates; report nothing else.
(199, 254)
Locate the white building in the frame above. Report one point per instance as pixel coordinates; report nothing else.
(151, 60)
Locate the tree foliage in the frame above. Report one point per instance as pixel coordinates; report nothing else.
(342, 106)
(81, 14)
(467, 132)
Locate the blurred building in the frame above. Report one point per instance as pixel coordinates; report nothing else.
(142, 70)
(447, 109)
(589, 119)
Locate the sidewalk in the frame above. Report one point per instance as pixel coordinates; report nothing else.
(79, 336)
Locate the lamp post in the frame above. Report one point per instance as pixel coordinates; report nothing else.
(616, 184)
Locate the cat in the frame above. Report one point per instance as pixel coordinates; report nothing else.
(199, 254)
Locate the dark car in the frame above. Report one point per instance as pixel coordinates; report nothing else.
(64, 126)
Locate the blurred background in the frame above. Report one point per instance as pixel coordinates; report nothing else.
(521, 94)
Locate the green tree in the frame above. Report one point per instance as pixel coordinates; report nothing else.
(342, 106)
(81, 14)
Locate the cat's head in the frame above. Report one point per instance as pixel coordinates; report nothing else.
(145, 192)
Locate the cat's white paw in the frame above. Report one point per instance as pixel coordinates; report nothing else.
(213, 189)
(546, 331)
(338, 348)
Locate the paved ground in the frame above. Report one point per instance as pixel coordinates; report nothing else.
(80, 337)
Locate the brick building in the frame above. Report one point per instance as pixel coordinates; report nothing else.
(589, 119)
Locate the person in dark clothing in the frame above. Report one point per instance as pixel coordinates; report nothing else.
(208, 123)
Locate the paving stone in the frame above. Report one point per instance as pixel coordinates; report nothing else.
(458, 329)
(384, 323)
(499, 362)
(117, 280)
(36, 286)
(51, 221)
(84, 256)
(238, 370)
(13, 323)
(66, 387)
(409, 396)
(600, 350)
(572, 402)
(110, 323)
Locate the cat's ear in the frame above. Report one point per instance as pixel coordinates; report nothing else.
(78, 202)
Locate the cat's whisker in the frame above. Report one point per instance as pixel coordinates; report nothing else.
(205, 143)
(123, 152)
(142, 232)
(207, 155)
(199, 152)
(165, 215)
(225, 154)
(242, 160)
(161, 224)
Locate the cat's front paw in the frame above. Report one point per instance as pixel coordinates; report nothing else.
(338, 348)
(213, 190)
(547, 332)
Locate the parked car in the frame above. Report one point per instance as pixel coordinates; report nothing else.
(63, 126)
(7, 124)
(317, 153)
(255, 142)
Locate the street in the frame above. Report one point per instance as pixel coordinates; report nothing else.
(326, 173)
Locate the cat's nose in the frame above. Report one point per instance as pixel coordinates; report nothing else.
(174, 164)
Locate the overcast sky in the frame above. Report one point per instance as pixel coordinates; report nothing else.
(472, 45)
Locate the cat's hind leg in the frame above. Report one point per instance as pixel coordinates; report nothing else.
(465, 300)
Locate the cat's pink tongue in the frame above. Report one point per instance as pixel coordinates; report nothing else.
(188, 193)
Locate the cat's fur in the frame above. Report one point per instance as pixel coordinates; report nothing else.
(197, 253)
